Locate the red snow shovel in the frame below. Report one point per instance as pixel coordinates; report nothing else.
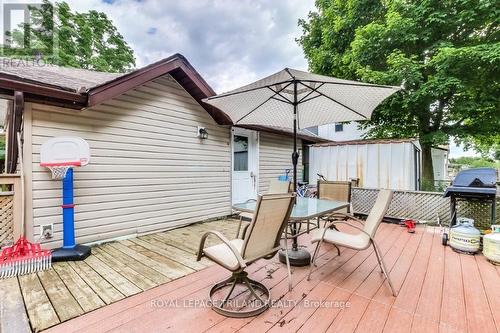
(23, 257)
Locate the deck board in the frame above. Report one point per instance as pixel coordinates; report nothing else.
(479, 313)
(117, 280)
(439, 290)
(13, 317)
(83, 294)
(61, 298)
(135, 265)
(40, 311)
(124, 269)
(453, 305)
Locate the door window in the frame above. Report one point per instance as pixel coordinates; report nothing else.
(240, 153)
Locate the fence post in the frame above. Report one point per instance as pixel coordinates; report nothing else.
(17, 207)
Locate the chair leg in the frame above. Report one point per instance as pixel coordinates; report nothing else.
(289, 271)
(248, 283)
(383, 268)
(228, 294)
(239, 227)
(338, 250)
(313, 259)
(252, 286)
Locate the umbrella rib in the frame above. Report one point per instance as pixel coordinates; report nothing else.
(289, 73)
(248, 90)
(369, 85)
(280, 100)
(286, 100)
(307, 100)
(341, 104)
(312, 90)
(258, 106)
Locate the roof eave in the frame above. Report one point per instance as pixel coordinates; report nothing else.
(176, 65)
(309, 138)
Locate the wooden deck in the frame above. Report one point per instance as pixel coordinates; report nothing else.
(113, 272)
(439, 290)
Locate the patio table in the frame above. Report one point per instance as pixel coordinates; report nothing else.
(304, 209)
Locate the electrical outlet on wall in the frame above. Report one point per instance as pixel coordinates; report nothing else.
(47, 231)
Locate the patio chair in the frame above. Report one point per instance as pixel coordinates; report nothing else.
(338, 191)
(361, 240)
(276, 186)
(262, 240)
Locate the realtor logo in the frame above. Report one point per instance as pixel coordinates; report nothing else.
(27, 29)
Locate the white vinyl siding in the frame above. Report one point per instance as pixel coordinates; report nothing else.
(148, 170)
(275, 155)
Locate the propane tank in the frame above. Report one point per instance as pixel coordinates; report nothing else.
(464, 237)
(491, 245)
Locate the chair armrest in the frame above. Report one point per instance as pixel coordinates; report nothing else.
(345, 215)
(349, 224)
(224, 240)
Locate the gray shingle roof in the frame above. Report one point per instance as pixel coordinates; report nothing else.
(71, 79)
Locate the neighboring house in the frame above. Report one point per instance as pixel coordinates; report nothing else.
(371, 160)
(149, 170)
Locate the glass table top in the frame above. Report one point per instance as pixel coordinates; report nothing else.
(305, 208)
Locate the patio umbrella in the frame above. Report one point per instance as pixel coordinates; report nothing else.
(295, 99)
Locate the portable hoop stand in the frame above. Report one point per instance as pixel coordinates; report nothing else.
(70, 251)
(61, 155)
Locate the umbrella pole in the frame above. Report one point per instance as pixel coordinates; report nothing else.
(295, 157)
(297, 257)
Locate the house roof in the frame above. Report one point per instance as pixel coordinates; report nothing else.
(80, 88)
(64, 78)
(363, 142)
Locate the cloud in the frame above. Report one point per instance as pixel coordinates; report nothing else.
(230, 43)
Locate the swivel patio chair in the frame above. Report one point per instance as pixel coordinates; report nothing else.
(361, 240)
(262, 240)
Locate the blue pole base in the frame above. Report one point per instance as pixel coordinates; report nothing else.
(76, 253)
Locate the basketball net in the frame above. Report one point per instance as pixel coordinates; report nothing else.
(59, 171)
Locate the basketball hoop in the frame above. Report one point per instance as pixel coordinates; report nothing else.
(62, 153)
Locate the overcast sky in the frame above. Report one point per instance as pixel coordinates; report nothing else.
(230, 43)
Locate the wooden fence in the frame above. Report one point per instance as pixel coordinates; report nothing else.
(10, 209)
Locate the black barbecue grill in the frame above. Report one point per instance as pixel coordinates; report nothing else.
(475, 185)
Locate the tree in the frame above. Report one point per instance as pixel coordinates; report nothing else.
(62, 37)
(446, 53)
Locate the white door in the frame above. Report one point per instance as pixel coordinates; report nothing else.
(245, 165)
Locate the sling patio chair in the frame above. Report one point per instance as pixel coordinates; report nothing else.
(360, 240)
(338, 191)
(276, 186)
(262, 240)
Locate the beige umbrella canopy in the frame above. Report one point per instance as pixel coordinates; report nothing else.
(296, 99)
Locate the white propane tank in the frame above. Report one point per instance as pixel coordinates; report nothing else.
(491, 245)
(464, 237)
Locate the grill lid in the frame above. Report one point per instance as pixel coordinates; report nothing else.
(478, 177)
(478, 182)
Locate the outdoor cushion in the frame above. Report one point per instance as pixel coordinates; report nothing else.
(223, 255)
(359, 241)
